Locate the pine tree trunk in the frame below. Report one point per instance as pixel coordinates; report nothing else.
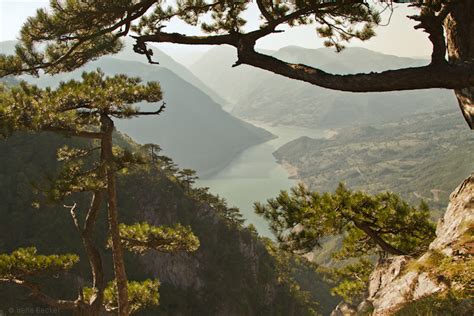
(93, 254)
(378, 240)
(459, 27)
(117, 252)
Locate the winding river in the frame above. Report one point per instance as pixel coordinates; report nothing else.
(255, 175)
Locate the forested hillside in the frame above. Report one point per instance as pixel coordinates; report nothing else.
(421, 157)
(260, 95)
(232, 273)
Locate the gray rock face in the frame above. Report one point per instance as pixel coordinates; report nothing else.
(459, 215)
(391, 285)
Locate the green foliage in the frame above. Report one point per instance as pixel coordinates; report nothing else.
(79, 174)
(422, 157)
(76, 175)
(71, 39)
(83, 109)
(228, 254)
(219, 204)
(352, 280)
(141, 295)
(142, 237)
(287, 266)
(73, 107)
(444, 304)
(381, 224)
(187, 177)
(301, 218)
(25, 262)
(344, 23)
(455, 271)
(125, 159)
(70, 24)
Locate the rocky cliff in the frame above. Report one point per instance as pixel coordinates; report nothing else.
(403, 285)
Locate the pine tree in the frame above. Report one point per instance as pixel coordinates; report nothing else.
(187, 178)
(153, 150)
(85, 109)
(71, 39)
(370, 225)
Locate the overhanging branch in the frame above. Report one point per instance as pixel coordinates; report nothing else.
(437, 75)
(426, 77)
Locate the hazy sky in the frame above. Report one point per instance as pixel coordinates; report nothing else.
(398, 38)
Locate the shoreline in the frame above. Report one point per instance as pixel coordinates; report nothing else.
(210, 173)
(289, 168)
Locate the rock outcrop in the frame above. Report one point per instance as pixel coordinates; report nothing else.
(393, 284)
(399, 280)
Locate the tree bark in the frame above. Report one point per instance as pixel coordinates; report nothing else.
(378, 240)
(426, 77)
(457, 75)
(107, 126)
(459, 26)
(95, 259)
(93, 254)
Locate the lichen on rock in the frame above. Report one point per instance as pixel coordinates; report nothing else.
(446, 267)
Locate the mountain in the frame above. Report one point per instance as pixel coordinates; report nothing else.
(127, 53)
(263, 96)
(424, 156)
(167, 61)
(215, 69)
(7, 47)
(194, 130)
(232, 272)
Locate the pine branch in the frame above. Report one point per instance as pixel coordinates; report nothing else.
(37, 294)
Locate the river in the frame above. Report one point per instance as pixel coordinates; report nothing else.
(254, 175)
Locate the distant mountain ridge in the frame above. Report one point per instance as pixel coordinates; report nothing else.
(194, 130)
(164, 60)
(264, 96)
(167, 61)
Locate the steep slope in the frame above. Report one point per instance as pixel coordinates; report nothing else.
(194, 130)
(424, 156)
(267, 97)
(232, 273)
(215, 69)
(168, 62)
(127, 53)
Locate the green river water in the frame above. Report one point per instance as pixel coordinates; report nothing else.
(254, 175)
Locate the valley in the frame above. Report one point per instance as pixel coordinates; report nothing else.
(256, 94)
(249, 134)
(254, 175)
(194, 130)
